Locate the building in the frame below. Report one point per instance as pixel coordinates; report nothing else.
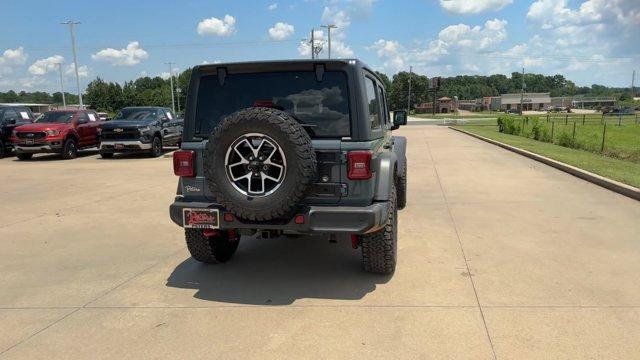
(444, 105)
(447, 105)
(530, 101)
(468, 105)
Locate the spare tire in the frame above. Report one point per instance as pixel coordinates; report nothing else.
(259, 163)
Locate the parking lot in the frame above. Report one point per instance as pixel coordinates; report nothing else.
(499, 257)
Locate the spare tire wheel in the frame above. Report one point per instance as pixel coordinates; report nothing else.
(259, 163)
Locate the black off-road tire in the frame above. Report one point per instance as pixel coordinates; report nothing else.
(106, 155)
(210, 249)
(3, 149)
(401, 188)
(294, 142)
(24, 156)
(380, 249)
(156, 147)
(69, 149)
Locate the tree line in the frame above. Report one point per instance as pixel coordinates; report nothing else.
(155, 91)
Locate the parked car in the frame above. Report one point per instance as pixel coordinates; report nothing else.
(512, 111)
(135, 129)
(104, 116)
(60, 131)
(290, 147)
(10, 118)
(621, 111)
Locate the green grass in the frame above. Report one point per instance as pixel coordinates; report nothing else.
(620, 170)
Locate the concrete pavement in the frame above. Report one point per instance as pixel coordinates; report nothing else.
(500, 257)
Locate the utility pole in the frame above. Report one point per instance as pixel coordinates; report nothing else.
(409, 97)
(633, 85)
(522, 94)
(64, 101)
(313, 43)
(72, 25)
(173, 100)
(329, 27)
(177, 95)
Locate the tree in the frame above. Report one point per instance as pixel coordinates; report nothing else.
(400, 90)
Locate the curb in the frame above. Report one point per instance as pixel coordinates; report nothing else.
(620, 188)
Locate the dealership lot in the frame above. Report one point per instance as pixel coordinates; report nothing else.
(499, 256)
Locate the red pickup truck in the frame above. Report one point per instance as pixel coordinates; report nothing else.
(60, 131)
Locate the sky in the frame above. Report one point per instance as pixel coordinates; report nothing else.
(589, 42)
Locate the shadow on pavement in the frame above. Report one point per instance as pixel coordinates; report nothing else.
(54, 157)
(280, 271)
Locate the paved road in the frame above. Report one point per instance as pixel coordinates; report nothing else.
(500, 257)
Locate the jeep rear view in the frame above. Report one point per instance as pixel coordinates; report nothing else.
(290, 148)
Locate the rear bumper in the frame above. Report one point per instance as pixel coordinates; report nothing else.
(127, 145)
(318, 219)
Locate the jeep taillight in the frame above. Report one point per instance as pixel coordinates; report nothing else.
(183, 163)
(359, 165)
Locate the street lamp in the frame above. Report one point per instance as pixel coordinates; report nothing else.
(72, 25)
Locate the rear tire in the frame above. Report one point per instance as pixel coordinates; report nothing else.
(24, 156)
(156, 147)
(106, 155)
(3, 149)
(69, 149)
(380, 249)
(211, 249)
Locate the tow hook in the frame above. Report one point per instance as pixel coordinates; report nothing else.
(355, 241)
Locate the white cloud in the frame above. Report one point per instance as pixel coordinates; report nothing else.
(272, 6)
(473, 6)
(13, 57)
(219, 27)
(131, 55)
(83, 70)
(452, 49)
(31, 82)
(392, 51)
(43, 66)
(281, 31)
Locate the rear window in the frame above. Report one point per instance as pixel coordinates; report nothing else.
(323, 106)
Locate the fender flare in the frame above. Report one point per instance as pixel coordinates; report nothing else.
(385, 175)
(400, 149)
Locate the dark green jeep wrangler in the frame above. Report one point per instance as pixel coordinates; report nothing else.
(290, 148)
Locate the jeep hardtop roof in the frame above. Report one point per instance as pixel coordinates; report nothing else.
(282, 65)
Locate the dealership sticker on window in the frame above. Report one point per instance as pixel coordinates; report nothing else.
(92, 117)
(169, 116)
(24, 115)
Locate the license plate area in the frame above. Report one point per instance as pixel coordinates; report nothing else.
(118, 146)
(201, 218)
(29, 142)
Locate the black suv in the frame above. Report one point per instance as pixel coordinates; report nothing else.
(290, 148)
(10, 117)
(140, 129)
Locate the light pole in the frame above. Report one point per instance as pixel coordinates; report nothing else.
(64, 101)
(173, 99)
(409, 96)
(522, 94)
(329, 27)
(72, 25)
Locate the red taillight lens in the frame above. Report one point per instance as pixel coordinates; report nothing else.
(359, 165)
(183, 163)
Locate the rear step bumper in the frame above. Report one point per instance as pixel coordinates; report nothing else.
(318, 219)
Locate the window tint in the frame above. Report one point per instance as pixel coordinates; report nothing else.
(372, 101)
(323, 106)
(385, 110)
(10, 114)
